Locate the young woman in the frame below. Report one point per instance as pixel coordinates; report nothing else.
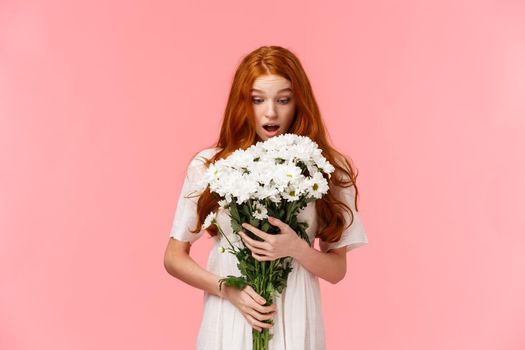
(270, 95)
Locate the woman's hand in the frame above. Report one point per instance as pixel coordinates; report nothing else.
(251, 305)
(286, 243)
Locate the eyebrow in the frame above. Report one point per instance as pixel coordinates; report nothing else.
(285, 89)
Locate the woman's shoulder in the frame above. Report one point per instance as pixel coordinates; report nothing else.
(197, 165)
(199, 158)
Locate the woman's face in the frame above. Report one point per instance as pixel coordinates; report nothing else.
(273, 105)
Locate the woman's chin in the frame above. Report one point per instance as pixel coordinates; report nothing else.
(259, 137)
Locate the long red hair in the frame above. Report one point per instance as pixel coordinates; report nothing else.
(238, 131)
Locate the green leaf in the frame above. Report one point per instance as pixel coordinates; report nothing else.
(233, 281)
(254, 221)
(266, 226)
(234, 212)
(236, 227)
(246, 210)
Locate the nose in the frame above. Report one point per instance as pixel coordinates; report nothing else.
(270, 110)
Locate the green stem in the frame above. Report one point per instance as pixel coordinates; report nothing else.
(222, 233)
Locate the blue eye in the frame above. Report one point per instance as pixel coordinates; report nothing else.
(284, 101)
(256, 100)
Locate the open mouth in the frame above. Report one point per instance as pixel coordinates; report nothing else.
(271, 127)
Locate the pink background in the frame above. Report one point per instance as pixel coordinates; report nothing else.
(103, 102)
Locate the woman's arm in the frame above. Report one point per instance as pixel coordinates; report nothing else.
(330, 266)
(179, 264)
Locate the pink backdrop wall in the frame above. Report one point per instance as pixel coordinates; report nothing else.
(103, 102)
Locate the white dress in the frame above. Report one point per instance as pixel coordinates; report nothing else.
(298, 323)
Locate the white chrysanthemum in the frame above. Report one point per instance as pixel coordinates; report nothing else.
(316, 186)
(270, 170)
(210, 220)
(292, 171)
(243, 188)
(291, 194)
(244, 160)
(323, 164)
(270, 192)
(260, 212)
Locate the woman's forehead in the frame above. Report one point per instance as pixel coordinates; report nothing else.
(271, 83)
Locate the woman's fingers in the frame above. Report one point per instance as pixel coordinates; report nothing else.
(276, 222)
(264, 309)
(265, 236)
(253, 242)
(256, 250)
(249, 290)
(260, 316)
(257, 324)
(251, 322)
(252, 307)
(259, 302)
(260, 254)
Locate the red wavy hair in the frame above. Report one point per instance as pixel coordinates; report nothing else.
(238, 131)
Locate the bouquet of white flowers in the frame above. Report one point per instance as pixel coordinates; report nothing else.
(277, 178)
